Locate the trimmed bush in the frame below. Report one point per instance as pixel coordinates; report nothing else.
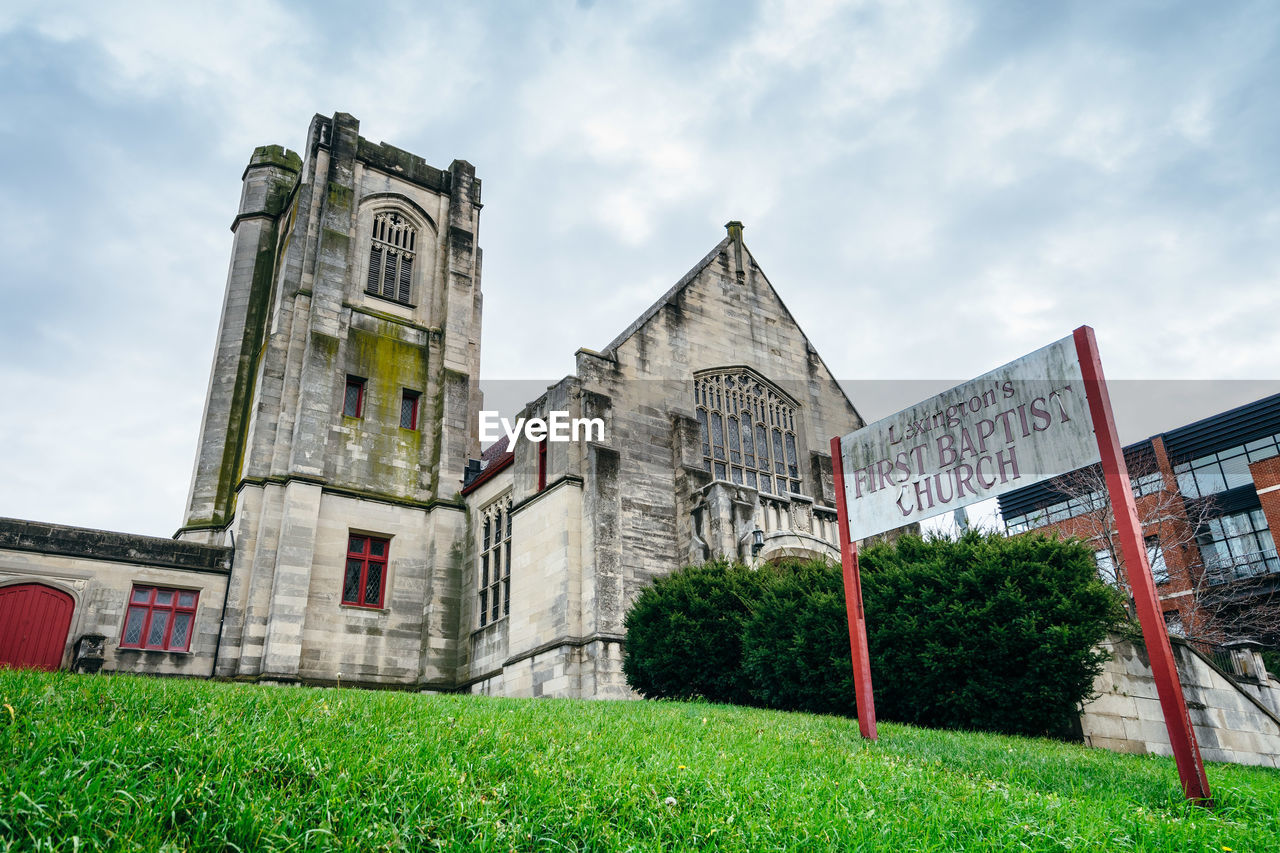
(984, 632)
(684, 634)
(795, 646)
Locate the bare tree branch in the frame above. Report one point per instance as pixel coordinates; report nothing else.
(1227, 601)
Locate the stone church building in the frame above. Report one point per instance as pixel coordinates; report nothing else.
(343, 523)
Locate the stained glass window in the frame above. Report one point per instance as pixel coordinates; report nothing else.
(748, 431)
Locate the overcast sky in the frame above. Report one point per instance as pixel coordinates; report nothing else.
(933, 188)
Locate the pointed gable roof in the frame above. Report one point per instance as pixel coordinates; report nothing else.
(669, 296)
(734, 235)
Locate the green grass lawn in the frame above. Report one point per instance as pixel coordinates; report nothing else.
(94, 762)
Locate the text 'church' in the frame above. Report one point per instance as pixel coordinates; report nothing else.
(343, 524)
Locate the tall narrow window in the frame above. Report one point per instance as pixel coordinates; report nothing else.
(353, 398)
(748, 431)
(365, 579)
(495, 562)
(159, 619)
(1155, 557)
(542, 464)
(409, 409)
(391, 258)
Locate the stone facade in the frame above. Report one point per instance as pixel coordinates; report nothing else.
(99, 570)
(614, 514)
(355, 271)
(342, 414)
(1234, 715)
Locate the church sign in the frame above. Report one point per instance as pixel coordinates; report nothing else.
(1019, 424)
(1040, 416)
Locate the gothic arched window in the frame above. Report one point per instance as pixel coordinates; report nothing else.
(748, 431)
(495, 561)
(391, 257)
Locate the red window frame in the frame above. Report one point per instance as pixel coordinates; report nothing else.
(362, 556)
(542, 464)
(409, 399)
(155, 600)
(357, 383)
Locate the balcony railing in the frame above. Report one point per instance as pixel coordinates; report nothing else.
(1259, 563)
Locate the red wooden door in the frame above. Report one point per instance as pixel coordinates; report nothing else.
(34, 620)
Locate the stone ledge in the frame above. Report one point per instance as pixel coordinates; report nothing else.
(42, 538)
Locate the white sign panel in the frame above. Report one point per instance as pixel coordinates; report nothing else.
(1017, 425)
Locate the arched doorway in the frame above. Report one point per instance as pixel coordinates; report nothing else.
(34, 620)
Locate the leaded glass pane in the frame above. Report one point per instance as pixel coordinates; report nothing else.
(506, 597)
(493, 604)
(748, 410)
(355, 545)
(408, 403)
(717, 438)
(377, 547)
(155, 634)
(766, 483)
(484, 607)
(142, 594)
(497, 562)
(351, 582)
(133, 626)
(484, 570)
(373, 584)
(186, 599)
(164, 597)
(351, 402)
(506, 566)
(508, 522)
(181, 627)
(486, 534)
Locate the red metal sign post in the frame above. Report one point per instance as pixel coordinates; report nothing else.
(1172, 703)
(853, 604)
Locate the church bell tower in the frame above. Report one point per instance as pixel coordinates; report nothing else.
(341, 412)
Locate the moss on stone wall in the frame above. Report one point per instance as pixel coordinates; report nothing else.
(390, 458)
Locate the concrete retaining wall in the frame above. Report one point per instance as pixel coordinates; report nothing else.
(1231, 720)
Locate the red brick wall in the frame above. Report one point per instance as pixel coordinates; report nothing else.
(1266, 474)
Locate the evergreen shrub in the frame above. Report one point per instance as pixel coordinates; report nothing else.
(982, 632)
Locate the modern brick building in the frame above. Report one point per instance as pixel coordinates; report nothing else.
(339, 525)
(1208, 495)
